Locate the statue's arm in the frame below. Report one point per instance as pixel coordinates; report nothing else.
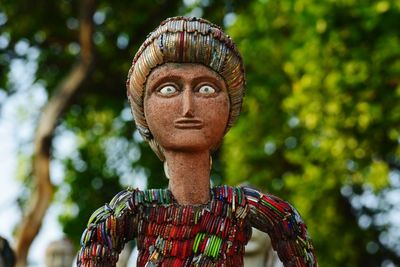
(283, 224)
(109, 228)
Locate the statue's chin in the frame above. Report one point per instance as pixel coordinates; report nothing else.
(190, 141)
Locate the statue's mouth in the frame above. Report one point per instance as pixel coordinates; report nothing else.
(185, 123)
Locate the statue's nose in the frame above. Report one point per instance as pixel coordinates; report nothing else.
(187, 103)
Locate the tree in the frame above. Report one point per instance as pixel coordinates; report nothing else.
(320, 114)
(67, 88)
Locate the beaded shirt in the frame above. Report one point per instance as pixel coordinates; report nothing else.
(213, 234)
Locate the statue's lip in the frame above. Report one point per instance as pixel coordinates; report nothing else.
(186, 123)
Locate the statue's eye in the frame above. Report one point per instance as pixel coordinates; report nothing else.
(167, 90)
(207, 90)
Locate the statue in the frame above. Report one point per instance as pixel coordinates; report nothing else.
(185, 87)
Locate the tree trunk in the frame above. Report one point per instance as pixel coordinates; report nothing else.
(57, 105)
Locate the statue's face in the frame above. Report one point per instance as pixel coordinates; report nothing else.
(186, 107)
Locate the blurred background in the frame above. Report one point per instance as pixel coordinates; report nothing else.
(320, 125)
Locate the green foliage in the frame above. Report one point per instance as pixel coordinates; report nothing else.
(321, 111)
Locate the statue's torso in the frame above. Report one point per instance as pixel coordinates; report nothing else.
(213, 234)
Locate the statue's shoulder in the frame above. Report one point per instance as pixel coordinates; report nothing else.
(234, 201)
(259, 199)
(108, 229)
(230, 194)
(120, 204)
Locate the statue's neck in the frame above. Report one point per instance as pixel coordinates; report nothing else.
(189, 176)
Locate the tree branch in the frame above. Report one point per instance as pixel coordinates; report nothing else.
(57, 105)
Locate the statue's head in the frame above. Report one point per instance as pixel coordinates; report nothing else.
(186, 51)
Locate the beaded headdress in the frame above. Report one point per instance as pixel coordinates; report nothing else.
(185, 40)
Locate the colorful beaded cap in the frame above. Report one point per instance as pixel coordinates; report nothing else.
(214, 234)
(185, 40)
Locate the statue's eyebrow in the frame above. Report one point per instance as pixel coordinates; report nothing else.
(215, 80)
(150, 87)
